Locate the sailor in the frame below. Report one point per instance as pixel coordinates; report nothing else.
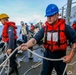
(30, 35)
(27, 27)
(32, 27)
(23, 31)
(74, 25)
(54, 34)
(9, 35)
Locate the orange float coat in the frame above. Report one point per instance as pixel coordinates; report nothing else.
(55, 38)
(5, 37)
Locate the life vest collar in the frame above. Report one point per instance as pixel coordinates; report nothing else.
(60, 21)
(10, 23)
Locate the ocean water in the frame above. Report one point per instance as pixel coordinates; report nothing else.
(1, 27)
(18, 30)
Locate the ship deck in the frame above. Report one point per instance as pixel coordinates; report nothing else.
(33, 66)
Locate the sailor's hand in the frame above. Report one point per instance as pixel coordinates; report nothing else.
(67, 58)
(23, 47)
(9, 51)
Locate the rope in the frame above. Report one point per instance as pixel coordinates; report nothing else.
(8, 64)
(45, 57)
(33, 67)
(65, 69)
(9, 57)
(52, 60)
(3, 46)
(70, 64)
(5, 66)
(38, 56)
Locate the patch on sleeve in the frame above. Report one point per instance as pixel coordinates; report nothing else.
(9, 30)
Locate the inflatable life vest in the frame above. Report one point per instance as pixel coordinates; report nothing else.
(74, 26)
(55, 38)
(32, 27)
(5, 37)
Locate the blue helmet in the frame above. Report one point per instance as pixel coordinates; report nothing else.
(74, 21)
(31, 23)
(51, 10)
(25, 23)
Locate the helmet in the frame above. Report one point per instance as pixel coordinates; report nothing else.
(51, 10)
(74, 21)
(3, 15)
(31, 23)
(25, 23)
(22, 22)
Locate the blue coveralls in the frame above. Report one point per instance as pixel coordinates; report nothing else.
(58, 65)
(12, 45)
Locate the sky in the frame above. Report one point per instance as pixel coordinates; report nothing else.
(29, 11)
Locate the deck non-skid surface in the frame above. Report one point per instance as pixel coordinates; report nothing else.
(25, 66)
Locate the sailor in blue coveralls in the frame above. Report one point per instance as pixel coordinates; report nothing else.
(9, 35)
(55, 34)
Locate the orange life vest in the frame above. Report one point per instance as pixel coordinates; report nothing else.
(74, 26)
(5, 37)
(32, 27)
(55, 38)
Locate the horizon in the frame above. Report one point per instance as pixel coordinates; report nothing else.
(29, 11)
